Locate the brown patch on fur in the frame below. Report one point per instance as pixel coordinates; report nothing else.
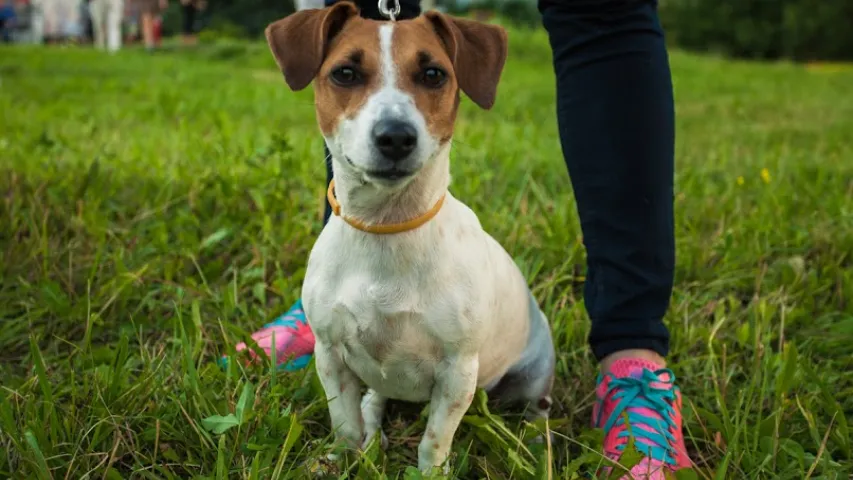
(415, 47)
(478, 52)
(436, 350)
(472, 54)
(455, 405)
(356, 46)
(430, 434)
(310, 44)
(544, 403)
(378, 341)
(298, 41)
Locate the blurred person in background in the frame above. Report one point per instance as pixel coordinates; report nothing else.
(189, 9)
(29, 21)
(131, 22)
(36, 16)
(8, 20)
(149, 12)
(106, 23)
(87, 21)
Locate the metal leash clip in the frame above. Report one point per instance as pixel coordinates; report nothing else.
(391, 13)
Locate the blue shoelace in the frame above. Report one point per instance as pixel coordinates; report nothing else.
(635, 393)
(289, 318)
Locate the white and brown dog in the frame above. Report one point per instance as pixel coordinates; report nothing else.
(404, 290)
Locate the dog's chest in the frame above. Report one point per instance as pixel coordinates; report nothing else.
(383, 326)
(393, 353)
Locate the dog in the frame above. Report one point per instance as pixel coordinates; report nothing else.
(404, 290)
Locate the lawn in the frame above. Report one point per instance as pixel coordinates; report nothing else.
(157, 208)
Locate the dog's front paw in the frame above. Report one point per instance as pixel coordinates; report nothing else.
(430, 456)
(368, 437)
(434, 471)
(342, 456)
(372, 411)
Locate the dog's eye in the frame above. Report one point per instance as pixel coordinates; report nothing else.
(433, 77)
(346, 76)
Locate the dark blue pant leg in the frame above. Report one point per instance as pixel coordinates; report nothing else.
(616, 121)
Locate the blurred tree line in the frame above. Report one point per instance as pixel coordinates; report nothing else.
(801, 30)
(231, 18)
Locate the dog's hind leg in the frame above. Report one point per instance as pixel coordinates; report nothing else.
(531, 379)
(540, 372)
(373, 411)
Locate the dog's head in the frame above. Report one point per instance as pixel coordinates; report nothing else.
(387, 93)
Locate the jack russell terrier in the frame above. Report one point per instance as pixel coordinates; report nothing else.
(404, 290)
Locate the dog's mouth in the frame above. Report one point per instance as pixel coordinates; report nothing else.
(391, 174)
(388, 174)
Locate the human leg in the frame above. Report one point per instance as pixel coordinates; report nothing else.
(147, 24)
(148, 11)
(5, 33)
(616, 122)
(97, 12)
(188, 11)
(113, 24)
(36, 24)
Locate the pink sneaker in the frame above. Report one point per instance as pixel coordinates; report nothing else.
(646, 393)
(289, 336)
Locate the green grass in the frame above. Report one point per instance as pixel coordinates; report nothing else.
(155, 209)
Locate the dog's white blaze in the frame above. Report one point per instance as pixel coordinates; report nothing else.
(390, 100)
(389, 69)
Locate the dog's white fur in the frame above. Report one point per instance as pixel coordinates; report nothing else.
(429, 314)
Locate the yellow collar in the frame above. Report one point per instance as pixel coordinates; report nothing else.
(383, 229)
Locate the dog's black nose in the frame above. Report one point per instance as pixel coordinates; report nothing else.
(395, 139)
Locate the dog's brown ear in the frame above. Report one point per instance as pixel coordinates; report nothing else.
(478, 52)
(298, 42)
